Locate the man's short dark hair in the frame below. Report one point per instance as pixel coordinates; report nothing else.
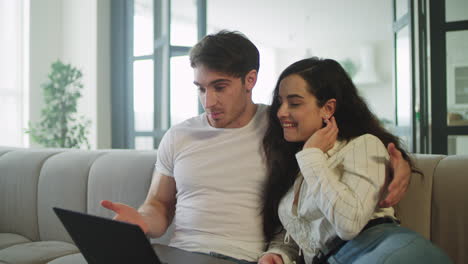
(229, 52)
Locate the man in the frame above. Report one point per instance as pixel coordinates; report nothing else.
(210, 170)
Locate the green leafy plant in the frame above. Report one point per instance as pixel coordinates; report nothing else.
(60, 126)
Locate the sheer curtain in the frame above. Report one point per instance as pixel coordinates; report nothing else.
(13, 72)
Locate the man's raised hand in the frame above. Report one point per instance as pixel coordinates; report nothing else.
(126, 213)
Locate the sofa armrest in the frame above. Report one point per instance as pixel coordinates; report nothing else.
(450, 207)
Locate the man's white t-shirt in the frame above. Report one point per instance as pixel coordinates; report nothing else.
(220, 175)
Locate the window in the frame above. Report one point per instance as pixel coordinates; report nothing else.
(152, 76)
(13, 34)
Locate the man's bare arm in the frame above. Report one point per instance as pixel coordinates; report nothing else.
(159, 207)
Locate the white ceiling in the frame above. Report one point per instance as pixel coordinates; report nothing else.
(304, 23)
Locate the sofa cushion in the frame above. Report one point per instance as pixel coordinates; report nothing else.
(36, 252)
(120, 176)
(9, 239)
(414, 210)
(19, 175)
(4, 150)
(63, 183)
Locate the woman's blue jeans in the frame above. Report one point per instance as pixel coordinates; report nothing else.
(389, 243)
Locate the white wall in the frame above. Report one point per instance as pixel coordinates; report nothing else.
(77, 32)
(79, 49)
(338, 29)
(45, 47)
(302, 28)
(103, 75)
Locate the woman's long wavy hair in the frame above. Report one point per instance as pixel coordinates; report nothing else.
(326, 79)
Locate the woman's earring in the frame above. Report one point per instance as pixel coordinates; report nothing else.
(325, 119)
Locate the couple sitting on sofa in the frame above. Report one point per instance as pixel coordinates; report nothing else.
(306, 173)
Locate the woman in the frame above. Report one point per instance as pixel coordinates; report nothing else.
(326, 160)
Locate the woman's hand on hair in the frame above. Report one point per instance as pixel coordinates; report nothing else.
(325, 137)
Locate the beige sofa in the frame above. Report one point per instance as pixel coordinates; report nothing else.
(32, 181)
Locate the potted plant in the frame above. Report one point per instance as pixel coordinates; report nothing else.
(60, 126)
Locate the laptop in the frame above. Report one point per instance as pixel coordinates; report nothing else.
(102, 240)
